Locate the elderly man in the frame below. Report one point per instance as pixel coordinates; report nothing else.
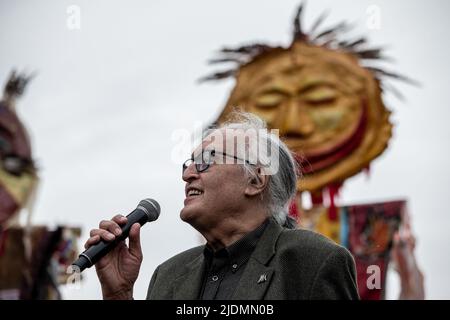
(239, 183)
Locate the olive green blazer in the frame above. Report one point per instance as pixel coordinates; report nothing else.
(286, 264)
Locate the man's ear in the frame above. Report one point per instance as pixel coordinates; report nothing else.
(256, 183)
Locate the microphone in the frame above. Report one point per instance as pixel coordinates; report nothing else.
(147, 210)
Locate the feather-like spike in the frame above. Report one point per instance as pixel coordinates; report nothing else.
(318, 22)
(329, 38)
(225, 60)
(369, 53)
(328, 43)
(246, 49)
(17, 82)
(218, 75)
(299, 35)
(356, 43)
(387, 87)
(393, 75)
(333, 30)
(243, 49)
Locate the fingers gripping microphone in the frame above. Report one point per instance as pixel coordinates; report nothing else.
(147, 210)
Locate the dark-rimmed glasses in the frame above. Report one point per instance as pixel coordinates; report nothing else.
(206, 159)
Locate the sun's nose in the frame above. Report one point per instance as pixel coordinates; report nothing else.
(297, 121)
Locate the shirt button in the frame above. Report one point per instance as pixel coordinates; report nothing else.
(234, 266)
(215, 278)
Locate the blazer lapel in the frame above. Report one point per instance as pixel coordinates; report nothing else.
(254, 282)
(187, 286)
(256, 279)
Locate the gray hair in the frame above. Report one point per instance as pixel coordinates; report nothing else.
(282, 185)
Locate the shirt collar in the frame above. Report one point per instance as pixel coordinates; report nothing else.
(240, 251)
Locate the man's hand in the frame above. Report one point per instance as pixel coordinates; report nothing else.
(119, 269)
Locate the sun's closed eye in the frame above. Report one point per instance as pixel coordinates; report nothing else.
(321, 95)
(269, 100)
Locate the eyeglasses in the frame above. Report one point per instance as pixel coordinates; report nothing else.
(204, 160)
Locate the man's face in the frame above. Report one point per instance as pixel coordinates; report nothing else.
(217, 193)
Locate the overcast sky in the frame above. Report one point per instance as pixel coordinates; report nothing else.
(109, 96)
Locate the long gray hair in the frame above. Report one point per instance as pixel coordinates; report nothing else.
(282, 185)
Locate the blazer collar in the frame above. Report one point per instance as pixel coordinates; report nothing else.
(265, 249)
(188, 285)
(254, 281)
(257, 275)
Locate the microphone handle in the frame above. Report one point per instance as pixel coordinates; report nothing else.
(97, 251)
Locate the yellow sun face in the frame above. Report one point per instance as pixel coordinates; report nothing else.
(326, 106)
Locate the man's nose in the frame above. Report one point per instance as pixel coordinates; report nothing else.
(190, 173)
(297, 120)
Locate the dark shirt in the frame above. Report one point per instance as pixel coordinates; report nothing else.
(224, 268)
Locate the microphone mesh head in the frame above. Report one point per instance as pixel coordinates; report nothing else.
(152, 207)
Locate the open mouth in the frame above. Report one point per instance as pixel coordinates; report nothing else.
(193, 192)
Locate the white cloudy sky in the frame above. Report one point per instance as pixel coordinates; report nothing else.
(109, 96)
